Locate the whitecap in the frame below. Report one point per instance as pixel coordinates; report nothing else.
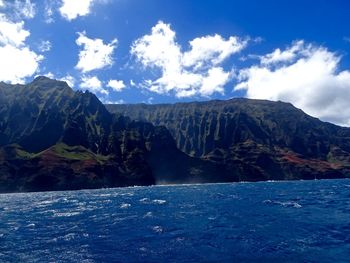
(284, 204)
(291, 204)
(159, 201)
(45, 203)
(67, 214)
(127, 194)
(125, 205)
(148, 214)
(144, 200)
(157, 229)
(103, 195)
(69, 236)
(54, 240)
(268, 201)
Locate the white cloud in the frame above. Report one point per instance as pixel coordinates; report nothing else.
(287, 55)
(95, 54)
(116, 85)
(93, 84)
(17, 63)
(186, 74)
(24, 9)
(12, 33)
(132, 83)
(158, 49)
(308, 77)
(70, 80)
(44, 46)
(2, 3)
(214, 81)
(71, 9)
(17, 60)
(213, 49)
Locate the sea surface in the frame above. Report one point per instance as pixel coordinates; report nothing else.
(300, 221)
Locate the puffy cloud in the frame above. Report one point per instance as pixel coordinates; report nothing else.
(211, 49)
(17, 60)
(306, 75)
(95, 54)
(283, 56)
(12, 33)
(188, 73)
(214, 81)
(158, 49)
(117, 85)
(17, 63)
(71, 9)
(93, 84)
(44, 46)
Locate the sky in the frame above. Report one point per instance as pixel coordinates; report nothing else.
(167, 51)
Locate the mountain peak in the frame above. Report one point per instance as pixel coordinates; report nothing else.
(48, 82)
(41, 78)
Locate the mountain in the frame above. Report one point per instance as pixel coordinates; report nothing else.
(53, 138)
(259, 140)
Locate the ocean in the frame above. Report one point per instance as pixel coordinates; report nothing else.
(296, 221)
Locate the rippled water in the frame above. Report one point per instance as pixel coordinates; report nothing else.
(305, 221)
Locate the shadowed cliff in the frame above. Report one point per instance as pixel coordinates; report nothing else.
(52, 138)
(262, 140)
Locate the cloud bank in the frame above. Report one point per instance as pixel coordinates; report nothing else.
(306, 75)
(17, 60)
(197, 71)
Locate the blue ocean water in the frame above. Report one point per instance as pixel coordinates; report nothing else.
(301, 221)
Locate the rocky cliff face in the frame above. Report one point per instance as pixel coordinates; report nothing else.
(52, 138)
(262, 140)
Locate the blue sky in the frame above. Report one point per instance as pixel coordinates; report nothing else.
(157, 51)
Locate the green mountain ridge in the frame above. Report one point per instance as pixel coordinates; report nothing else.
(263, 140)
(54, 138)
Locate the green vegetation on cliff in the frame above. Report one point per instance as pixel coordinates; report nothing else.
(261, 140)
(53, 138)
